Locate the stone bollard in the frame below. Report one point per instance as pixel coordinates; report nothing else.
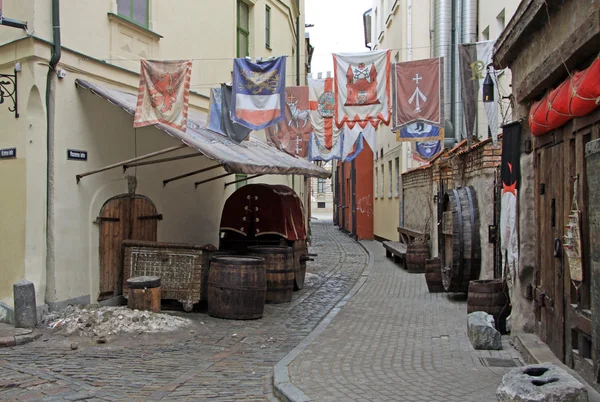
(540, 383)
(481, 331)
(25, 307)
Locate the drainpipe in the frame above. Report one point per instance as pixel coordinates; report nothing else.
(298, 50)
(50, 121)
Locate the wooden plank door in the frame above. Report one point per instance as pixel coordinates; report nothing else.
(549, 293)
(114, 228)
(122, 218)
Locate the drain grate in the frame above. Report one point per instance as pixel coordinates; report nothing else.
(496, 362)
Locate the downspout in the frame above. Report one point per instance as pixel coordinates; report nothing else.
(298, 50)
(50, 120)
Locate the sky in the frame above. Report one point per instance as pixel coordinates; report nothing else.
(338, 29)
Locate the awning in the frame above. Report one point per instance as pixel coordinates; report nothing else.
(249, 157)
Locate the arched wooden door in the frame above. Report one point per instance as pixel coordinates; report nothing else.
(122, 218)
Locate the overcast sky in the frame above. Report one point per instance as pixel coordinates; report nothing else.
(338, 28)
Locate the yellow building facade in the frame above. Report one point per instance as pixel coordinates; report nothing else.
(50, 232)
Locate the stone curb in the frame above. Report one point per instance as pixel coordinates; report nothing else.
(10, 341)
(283, 387)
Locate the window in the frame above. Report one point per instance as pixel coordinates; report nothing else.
(501, 21)
(397, 177)
(321, 186)
(134, 10)
(376, 183)
(390, 181)
(268, 27)
(382, 181)
(320, 205)
(485, 34)
(240, 183)
(243, 28)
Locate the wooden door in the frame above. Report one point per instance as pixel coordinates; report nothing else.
(122, 218)
(549, 292)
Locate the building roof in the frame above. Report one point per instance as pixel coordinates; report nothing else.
(249, 157)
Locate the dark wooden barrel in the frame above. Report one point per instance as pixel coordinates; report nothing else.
(279, 268)
(237, 287)
(144, 293)
(206, 272)
(490, 296)
(300, 258)
(433, 275)
(416, 254)
(461, 248)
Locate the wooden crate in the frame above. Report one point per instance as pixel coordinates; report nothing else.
(183, 268)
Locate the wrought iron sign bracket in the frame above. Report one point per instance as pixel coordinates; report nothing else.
(8, 89)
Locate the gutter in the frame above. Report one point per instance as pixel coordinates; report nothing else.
(50, 120)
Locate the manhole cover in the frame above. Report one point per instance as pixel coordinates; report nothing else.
(496, 362)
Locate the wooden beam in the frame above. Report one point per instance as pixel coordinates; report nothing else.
(244, 179)
(169, 159)
(139, 158)
(579, 46)
(212, 179)
(195, 172)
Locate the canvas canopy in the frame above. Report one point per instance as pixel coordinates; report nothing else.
(249, 157)
(260, 209)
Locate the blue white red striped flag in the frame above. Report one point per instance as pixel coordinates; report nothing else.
(259, 92)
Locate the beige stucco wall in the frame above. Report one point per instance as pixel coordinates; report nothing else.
(204, 31)
(396, 37)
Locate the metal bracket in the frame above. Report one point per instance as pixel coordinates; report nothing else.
(8, 89)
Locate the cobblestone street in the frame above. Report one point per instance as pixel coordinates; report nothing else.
(219, 360)
(395, 341)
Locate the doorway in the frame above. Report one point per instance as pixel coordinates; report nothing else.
(125, 217)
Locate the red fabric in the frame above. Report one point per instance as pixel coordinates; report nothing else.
(577, 96)
(265, 209)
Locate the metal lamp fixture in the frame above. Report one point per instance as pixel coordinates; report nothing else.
(488, 87)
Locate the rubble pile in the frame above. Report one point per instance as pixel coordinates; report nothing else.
(96, 321)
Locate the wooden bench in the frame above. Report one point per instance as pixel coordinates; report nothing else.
(397, 250)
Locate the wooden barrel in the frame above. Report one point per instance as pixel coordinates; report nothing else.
(461, 248)
(279, 268)
(300, 258)
(490, 296)
(237, 287)
(416, 254)
(144, 293)
(206, 271)
(433, 275)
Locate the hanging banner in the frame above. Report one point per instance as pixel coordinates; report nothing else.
(318, 152)
(417, 87)
(292, 134)
(510, 174)
(427, 150)
(352, 150)
(163, 95)
(474, 60)
(322, 106)
(236, 132)
(362, 88)
(259, 92)
(214, 111)
(418, 131)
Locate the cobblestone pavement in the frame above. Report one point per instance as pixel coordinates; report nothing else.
(219, 360)
(394, 341)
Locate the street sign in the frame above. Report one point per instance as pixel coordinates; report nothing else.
(76, 155)
(8, 153)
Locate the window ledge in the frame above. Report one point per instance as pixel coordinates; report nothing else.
(134, 25)
(268, 47)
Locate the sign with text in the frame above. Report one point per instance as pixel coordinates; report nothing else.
(73, 154)
(8, 153)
